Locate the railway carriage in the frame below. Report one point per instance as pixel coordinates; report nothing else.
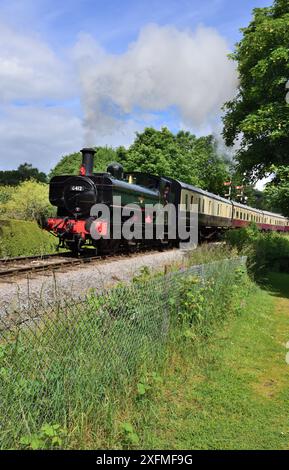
(274, 222)
(243, 215)
(214, 212)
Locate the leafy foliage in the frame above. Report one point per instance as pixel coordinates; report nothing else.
(6, 193)
(22, 238)
(278, 190)
(24, 172)
(182, 156)
(50, 436)
(130, 437)
(259, 113)
(28, 201)
(266, 251)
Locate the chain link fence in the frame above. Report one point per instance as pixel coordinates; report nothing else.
(58, 364)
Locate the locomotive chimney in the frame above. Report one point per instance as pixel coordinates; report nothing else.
(87, 161)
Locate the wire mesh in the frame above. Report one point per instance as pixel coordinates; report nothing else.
(60, 361)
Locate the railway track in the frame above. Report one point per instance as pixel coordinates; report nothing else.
(35, 264)
(21, 265)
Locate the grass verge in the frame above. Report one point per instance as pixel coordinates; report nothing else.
(229, 391)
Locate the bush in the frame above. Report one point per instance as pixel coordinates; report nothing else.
(266, 251)
(22, 238)
(28, 201)
(6, 193)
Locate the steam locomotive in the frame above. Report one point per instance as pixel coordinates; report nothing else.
(75, 197)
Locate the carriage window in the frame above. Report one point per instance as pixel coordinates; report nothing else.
(203, 208)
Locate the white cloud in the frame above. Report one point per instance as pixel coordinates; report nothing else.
(31, 75)
(30, 69)
(37, 135)
(163, 68)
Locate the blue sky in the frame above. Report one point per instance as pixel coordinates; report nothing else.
(115, 24)
(47, 100)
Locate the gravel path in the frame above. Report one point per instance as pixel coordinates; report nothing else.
(76, 282)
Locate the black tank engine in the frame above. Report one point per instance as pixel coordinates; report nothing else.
(76, 196)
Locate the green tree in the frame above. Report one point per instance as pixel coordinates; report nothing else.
(23, 173)
(259, 114)
(278, 190)
(182, 156)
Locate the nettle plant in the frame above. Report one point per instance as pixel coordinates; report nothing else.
(50, 436)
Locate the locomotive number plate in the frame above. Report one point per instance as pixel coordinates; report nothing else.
(76, 188)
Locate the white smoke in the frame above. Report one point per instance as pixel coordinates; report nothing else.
(165, 68)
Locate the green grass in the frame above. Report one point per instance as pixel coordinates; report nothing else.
(230, 392)
(278, 284)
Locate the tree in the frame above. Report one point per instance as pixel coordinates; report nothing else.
(23, 173)
(182, 156)
(259, 114)
(277, 190)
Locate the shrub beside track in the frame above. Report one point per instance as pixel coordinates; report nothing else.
(23, 238)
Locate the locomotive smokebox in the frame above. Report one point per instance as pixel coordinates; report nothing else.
(86, 168)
